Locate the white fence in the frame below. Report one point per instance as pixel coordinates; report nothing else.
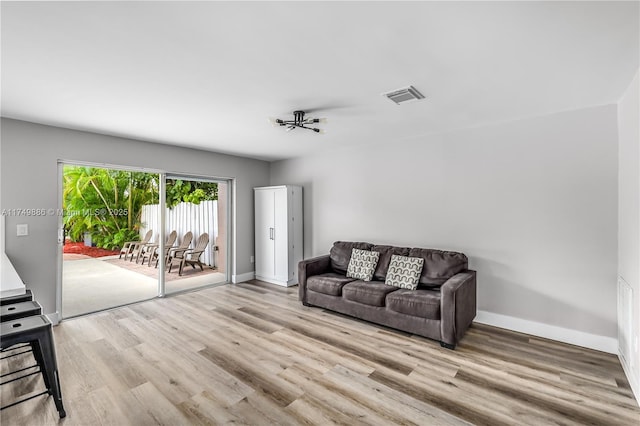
(185, 217)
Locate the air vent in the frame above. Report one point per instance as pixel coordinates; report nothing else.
(408, 94)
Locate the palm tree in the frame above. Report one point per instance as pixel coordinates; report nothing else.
(108, 203)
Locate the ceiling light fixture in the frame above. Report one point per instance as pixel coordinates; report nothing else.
(299, 121)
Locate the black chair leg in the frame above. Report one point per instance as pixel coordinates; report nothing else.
(36, 347)
(51, 371)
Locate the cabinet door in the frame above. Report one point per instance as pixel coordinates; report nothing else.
(265, 233)
(281, 219)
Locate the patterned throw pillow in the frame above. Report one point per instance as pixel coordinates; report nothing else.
(362, 264)
(404, 272)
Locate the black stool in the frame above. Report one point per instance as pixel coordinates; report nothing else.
(13, 312)
(26, 297)
(19, 310)
(35, 331)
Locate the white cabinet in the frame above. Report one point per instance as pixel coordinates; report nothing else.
(278, 233)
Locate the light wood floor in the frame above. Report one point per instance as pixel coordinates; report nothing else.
(251, 354)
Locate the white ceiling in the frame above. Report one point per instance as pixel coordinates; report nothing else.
(209, 74)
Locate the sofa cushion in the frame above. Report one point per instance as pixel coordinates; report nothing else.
(340, 254)
(404, 272)
(439, 265)
(362, 264)
(369, 293)
(385, 259)
(418, 303)
(329, 283)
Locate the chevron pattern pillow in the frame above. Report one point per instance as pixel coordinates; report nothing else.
(362, 264)
(404, 272)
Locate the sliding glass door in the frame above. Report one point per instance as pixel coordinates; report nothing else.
(107, 238)
(131, 235)
(196, 222)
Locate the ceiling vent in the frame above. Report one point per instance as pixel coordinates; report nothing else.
(408, 94)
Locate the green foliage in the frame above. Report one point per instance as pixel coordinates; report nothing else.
(179, 191)
(107, 203)
(117, 240)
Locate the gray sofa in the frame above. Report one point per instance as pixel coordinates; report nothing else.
(441, 308)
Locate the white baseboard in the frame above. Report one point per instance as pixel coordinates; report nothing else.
(240, 278)
(290, 283)
(635, 386)
(54, 318)
(566, 335)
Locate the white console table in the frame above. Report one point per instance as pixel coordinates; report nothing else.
(10, 282)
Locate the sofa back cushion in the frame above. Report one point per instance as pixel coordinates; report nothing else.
(439, 265)
(340, 254)
(385, 257)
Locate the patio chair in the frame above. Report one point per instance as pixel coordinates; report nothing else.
(152, 249)
(127, 248)
(140, 247)
(192, 256)
(169, 251)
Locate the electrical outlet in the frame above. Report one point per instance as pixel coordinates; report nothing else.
(22, 230)
(252, 259)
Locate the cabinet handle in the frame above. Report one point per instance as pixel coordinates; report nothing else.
(271, 233)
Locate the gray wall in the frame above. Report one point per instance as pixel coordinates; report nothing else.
(533, 203)
(629, 210)
(29, 155)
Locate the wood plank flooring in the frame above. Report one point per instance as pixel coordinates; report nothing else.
(252, 354)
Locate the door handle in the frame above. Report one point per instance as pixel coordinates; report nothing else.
(271, 233)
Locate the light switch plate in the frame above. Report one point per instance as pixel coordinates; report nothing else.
(22, 230)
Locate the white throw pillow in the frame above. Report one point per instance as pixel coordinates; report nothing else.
(362, 264)
(404, 271)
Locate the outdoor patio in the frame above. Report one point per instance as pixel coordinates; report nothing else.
(94, 284)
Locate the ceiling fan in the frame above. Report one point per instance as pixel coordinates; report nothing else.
(299, 121)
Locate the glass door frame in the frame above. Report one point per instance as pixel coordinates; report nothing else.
(60, 226)
(228, 211)
(163, 175)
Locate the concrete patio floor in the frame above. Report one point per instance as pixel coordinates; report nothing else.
(92, 284)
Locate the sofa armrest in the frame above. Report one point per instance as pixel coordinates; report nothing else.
(457, 306)
(308, 268)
